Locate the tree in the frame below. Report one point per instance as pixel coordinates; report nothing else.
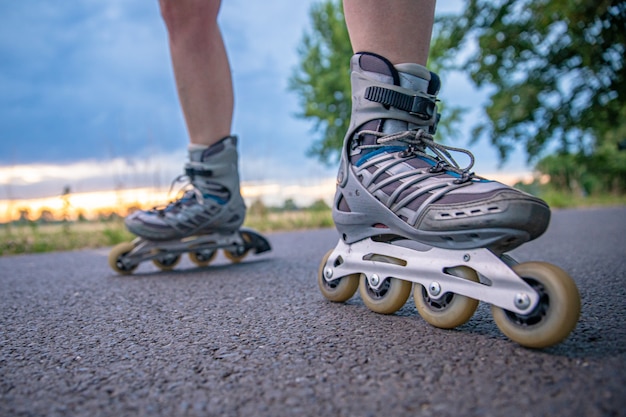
(319, 205)
(555, 70)
(602, 172)
(81, 216)
(322, 81)
(46, 216)
(24, 215)
(258, 208)
(290, 205)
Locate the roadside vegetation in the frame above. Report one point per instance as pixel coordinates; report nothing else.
(45, 234)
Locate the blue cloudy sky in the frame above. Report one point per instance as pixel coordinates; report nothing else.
(87, 97)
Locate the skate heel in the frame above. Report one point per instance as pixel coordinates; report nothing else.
(125, 257)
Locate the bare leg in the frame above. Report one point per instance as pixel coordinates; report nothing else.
(201, 68)
(399, 30)
(212, 202)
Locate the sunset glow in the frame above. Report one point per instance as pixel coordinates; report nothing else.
(93, 204)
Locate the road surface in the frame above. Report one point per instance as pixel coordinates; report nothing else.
(258, 339)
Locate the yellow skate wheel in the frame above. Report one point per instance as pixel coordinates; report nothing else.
(390, 296)
(339, 290)
(166, 262)
(448, 310)
(237, 255)
(117, 252)
(556, 315)
(234, 256)
(203, 257)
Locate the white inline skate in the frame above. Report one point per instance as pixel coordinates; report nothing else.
(208, 217)
(408, 214)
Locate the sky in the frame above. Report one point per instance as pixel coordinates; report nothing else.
(87, 97)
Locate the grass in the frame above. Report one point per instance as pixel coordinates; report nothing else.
(290, 220)
(558, 199)
(35, 238)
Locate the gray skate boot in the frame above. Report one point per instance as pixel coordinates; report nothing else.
(208, 216)
(411, 219)
(394, 176)
(214, 202)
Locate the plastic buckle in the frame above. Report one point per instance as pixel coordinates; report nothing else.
(423, 108)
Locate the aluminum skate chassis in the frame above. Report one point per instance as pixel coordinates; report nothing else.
(238, 243)
(498, 285)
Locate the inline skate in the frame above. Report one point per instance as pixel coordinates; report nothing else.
(411, 219)
(208, 217)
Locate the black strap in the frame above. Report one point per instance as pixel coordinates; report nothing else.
(422, 107)
(192, 172)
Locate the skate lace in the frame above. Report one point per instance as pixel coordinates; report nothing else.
(421, 144)
(185, 193)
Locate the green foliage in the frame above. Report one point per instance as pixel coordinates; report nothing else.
(322, 81)
(289, 205)
(115, 233)
(562, 198)
(319, 205)
(19, 238)
(601, 172)
(555, 69)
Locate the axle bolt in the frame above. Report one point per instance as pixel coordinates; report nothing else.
(522, 301)
(374, 280)
(434, 289)
(328, 272)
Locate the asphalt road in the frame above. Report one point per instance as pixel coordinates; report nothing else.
(258, 339)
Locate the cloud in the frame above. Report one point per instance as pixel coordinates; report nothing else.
(81, 74)
(90, 84)
(49, 179)
(94, 81)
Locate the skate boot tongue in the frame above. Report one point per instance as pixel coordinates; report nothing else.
(388, 100)
(405, 96)
(203, 153)
(415, 78)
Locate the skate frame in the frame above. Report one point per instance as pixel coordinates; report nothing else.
(235, 242)
(498, 285)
